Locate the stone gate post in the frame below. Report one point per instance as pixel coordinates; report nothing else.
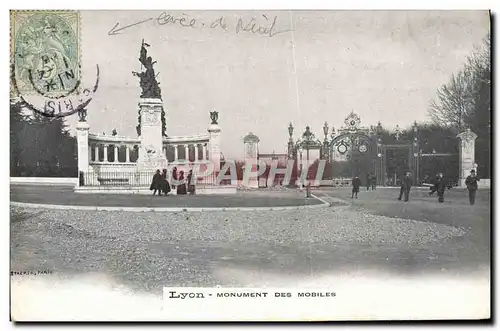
(82, 136)
(466, 154)
(251, 142)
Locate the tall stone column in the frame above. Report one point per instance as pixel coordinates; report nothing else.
(214, 145)
(151, 156)
(251, 142)
(467, 154)
(82, 134)
(176, 152)
(96, 152)
(105, 152)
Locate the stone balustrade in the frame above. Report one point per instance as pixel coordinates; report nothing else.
(192, 148)
(104, 149)
(119, 152)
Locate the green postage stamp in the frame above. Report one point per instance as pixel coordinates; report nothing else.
(45, 51)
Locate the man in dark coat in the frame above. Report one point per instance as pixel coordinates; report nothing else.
(368, 181)
(356, 183)
(471, 182)
(406, 183)
(156, 184)
(440, 187)
(374, 182)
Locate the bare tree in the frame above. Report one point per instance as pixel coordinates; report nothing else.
(457, 102)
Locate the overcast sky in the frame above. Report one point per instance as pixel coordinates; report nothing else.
(383, 65)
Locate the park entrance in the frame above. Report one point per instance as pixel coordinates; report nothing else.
(356, 150)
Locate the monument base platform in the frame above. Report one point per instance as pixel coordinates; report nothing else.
(206, 190)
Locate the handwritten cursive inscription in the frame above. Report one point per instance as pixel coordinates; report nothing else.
(254, 27)
(184, 21)
(219, 23)
(266, 28)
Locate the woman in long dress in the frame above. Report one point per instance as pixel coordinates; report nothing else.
(181, 188)
(174, 178)
(165, 183)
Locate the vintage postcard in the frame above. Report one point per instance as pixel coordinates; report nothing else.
(257, 165)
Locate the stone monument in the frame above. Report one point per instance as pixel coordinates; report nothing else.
(151, 155)
(251, 142)
(82, 136)
(214, 141)
(467, 154)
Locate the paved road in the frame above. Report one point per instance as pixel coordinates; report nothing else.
(64, 195)
(421, 206)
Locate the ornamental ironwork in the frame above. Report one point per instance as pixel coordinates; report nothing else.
(352, 122)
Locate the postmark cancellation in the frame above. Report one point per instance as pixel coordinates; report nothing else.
(45, 51)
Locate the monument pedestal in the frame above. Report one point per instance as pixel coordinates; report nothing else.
(214, 146)
(151, 155)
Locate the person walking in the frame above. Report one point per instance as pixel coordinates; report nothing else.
(433, 188)
(406, 183)
(440, 187)
(156, 184)
(368, 181)
(356, 183)
(471, 183)
(190, 181)
(374, 182)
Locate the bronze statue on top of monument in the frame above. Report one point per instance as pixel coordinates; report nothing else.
(149, 84)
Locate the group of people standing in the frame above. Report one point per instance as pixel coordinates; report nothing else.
(371, 181)
(182, 186)
(439, 186)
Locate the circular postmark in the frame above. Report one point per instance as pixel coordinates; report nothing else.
(46, 54)
(62, 107)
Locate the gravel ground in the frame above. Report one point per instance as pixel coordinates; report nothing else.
(149, 250)
(326, 225)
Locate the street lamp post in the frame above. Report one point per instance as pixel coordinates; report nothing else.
(416, 154)
(308, 184)
(325, 153)
(307, 141)
(300, 173)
